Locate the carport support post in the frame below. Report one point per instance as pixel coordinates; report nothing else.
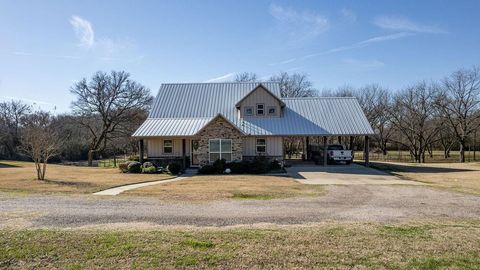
(365, 154)
(140, 150)
(307, 143)
(351, 146)
(325, 151)
(184, 158)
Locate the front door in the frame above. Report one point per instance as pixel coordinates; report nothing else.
(194, 154)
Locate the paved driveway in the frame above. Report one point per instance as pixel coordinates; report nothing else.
(353, 174)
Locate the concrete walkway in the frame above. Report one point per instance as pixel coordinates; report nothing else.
(117, 190)
(353, 174)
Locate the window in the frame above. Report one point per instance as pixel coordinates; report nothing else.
(220, 149)
(271, 110)
(248, 110)
(167, 146)
(261, 146)
(260, 109)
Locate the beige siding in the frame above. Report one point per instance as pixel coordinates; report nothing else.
(260, 96)
(274, 146)
(155, 147)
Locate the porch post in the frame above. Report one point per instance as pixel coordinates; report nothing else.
(367, 150)
(339, 139)
(325, 151)
(140, 149)
(184, 158)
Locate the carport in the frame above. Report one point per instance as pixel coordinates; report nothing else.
(316, 121)
(308, 147)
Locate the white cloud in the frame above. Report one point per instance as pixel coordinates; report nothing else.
(84, 31)
(348, 15)
(356, 45)
(360, 44)
(298, 24)
(403, 24)
(367, 64)
(222, 78)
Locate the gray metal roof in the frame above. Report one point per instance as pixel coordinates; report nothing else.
(183, 109)
(154, 127)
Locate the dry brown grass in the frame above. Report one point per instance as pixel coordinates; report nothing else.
(217, 187)
(456, 176)
(20, 177)
(426, 245)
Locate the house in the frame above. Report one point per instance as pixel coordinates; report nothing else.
(198, 123)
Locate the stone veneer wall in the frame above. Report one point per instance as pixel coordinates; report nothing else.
(219, 129)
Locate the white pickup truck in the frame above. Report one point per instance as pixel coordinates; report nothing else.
(335, 153)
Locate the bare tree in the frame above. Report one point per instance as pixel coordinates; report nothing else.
(460, 104)
(375, 102)
(295, 85)
(105, 104)
(246, 77)
(40, 140)
(11, 114)
(413, 116)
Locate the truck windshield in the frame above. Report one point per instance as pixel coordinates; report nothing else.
(335, 147)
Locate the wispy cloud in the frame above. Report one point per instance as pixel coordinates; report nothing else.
(283, 62)
(298, 24)
(26, 100)
(84, 31)
(222, 78)
(347, 15)
(46, 55)
(364, 64)
(356, 45)
(398, 23)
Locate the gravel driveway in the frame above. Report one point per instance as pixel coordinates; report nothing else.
(345, 203)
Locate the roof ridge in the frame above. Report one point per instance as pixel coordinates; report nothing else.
(319, 98)
(259, 82)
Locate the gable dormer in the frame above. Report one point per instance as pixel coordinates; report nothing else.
(260, 102)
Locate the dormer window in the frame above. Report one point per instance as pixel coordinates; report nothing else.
(272, 110)
(249, 111)
(260, 109)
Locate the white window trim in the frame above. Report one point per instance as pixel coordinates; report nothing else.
(245, 111)
(256, 109)
(163, 147)
(257, 145)
(220, 152)
(272, 107)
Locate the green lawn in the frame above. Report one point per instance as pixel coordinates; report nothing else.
(425, 245)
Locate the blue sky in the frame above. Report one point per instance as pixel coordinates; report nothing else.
(45, 46)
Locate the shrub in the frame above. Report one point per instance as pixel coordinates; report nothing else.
(174, 168)
(134, 158)
(123, 167)
(259, 165)
(134, 167)
(238, 167)
(275, 165)
(148, 164)
(150, 169)
(219, 165)
(207, 169)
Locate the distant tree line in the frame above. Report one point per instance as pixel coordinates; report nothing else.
(107, 109)
(423, 117)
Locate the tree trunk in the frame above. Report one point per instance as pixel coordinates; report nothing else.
(44, 169)
(90, 158)
(462, 152)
